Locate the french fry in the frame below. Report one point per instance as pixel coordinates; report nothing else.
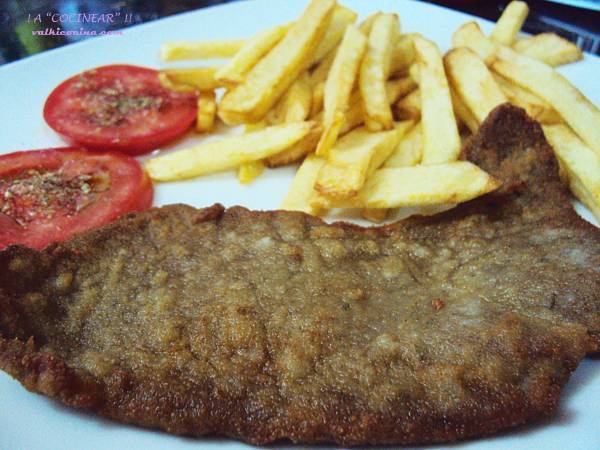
(464, 115)
(174, 51)
(201, 78)
(473, 82)
(300, 195)
(510, 23)
(341, 18)
(374, 71)
(227, 153)
(295, 105)
(249, 54)
(394, 90)
(297, 151)
(247, 172)
(581, 164)
(409, 150)
(470, 35)
(537, 108)
(339, 84)
(354, 157)
(207, 110)
(403, 54)
(318, 96)
(320, 72)
(409, 107)
(177, 87)
(367, 24)
(273, 74)
(575, 109)
(437, 184)
(330, 135)
(441, 141)
(256, 126)
(549, 48)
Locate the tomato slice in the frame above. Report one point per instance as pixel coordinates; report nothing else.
(50, 195)
(119, 107)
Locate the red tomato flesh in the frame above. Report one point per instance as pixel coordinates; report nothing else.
(50, 195)
(119, 107)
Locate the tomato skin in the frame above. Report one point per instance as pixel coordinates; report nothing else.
(74, 107)
(130, 189)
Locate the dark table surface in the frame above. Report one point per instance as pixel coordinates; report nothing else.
(21, 18)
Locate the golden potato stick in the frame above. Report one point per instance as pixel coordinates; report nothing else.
(367, 24)
(409, 150)
(207, 110)
(318, 96)
(301, 192)
(320, 72)
(581, 164)
(354, 157)
(374, 71)
(537, 108)
(441, 141)
(339, 84)
(549, 48)
(173, 51)
(273, 74)
(396, 89)
(177, 87)
(464, 115)
(470, 35)
(247, 172)
(341, 18)
(403, 54)
(330, 135)
(438, 184)
(295, 105)
(256, 126)
(297, 151)
(202, 78)
(227, 153)
(510, 23)
(473, 82)
(249, 54)
(575, 109)
(376, 215)
(409, 107)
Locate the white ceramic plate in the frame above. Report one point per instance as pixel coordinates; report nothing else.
(31, 422)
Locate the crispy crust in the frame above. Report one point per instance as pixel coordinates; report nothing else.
(546, 343)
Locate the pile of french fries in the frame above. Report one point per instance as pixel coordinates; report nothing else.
(376, 117)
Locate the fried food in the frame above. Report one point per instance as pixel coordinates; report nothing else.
(301, 192)
(338, 86)
(174, 51)
(207, 111)
(549, 48)
(272, 75)
(249, 54)
(581, 164)
(422, 185)
(265, 326)
(441, 141)
(510, 23)
(473, 82)
(374, 71)
(226, 153)
(200, 78)
(355, 156)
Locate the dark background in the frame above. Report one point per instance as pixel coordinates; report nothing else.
(16, 40)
